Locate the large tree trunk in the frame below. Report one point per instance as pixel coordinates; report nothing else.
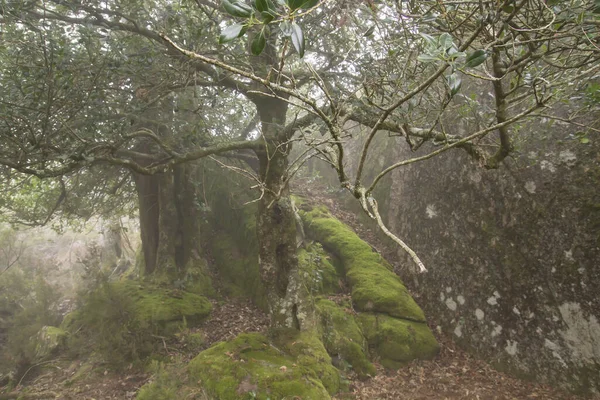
(168, 221)
(276, 225)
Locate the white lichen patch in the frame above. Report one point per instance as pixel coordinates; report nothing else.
(567, 157)
(492, 301)
(479, 314)
(516, 310)
(451, 304)
(582, 335)
(511, 347)
(569, 256)
(458, 331)
(530, 187)
(431, 211)
(448, 289)
(547, 165)
(497, 330)
(554, 348)
(460, 299)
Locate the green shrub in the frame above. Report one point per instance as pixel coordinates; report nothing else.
(27, 304)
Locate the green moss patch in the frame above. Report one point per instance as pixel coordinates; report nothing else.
(122, 319)
(375, 288)
(49, 340)
(397, 341)
(250, 367)
(343, 338)
(317, 271)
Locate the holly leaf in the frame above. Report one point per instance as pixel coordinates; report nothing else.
(454, 82)
(476, 58)
(232, 32)
(297, 39)
(259, 42)
(237, 8)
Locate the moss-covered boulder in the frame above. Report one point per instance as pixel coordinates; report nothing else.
(397, 341)
(343, 338)
(375, 287)
(122, 319)
(49, 340)
(163, 308)
(317, 271)
(251, 367)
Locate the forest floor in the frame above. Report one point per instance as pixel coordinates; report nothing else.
(453, 374)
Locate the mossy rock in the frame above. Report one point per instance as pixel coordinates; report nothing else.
(122, 319)
(160, 307)
(317, 271)
(49, 340)
(343, 338)
(375, 287)
(250, 367)
(397, 341)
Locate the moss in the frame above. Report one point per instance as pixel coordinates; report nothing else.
(397, 341)
(375, 287)
(121, 319)
(198, 279)
(160, 306)
(49, 340)
(318, 273)
(308, 350)
(251, 367)
(343, 338)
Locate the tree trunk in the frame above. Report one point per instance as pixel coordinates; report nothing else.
(276, 226)
(168, 221)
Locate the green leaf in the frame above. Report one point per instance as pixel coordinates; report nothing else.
(309, 4)
(286, 28)
(508, 9)
(298, 39)
(430, 40)
(453, 53)
(445, 41)
(369, 31)
(232, 32)
(259, 42)
(267, 16)
(454, 82)
(476, 58)
(584, 140)
(294, 4)
(237, 8)
(426, 58)
(265, 6)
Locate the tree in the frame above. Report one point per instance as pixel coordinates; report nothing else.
(102, 85)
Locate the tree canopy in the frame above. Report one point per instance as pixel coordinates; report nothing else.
(92, 90)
